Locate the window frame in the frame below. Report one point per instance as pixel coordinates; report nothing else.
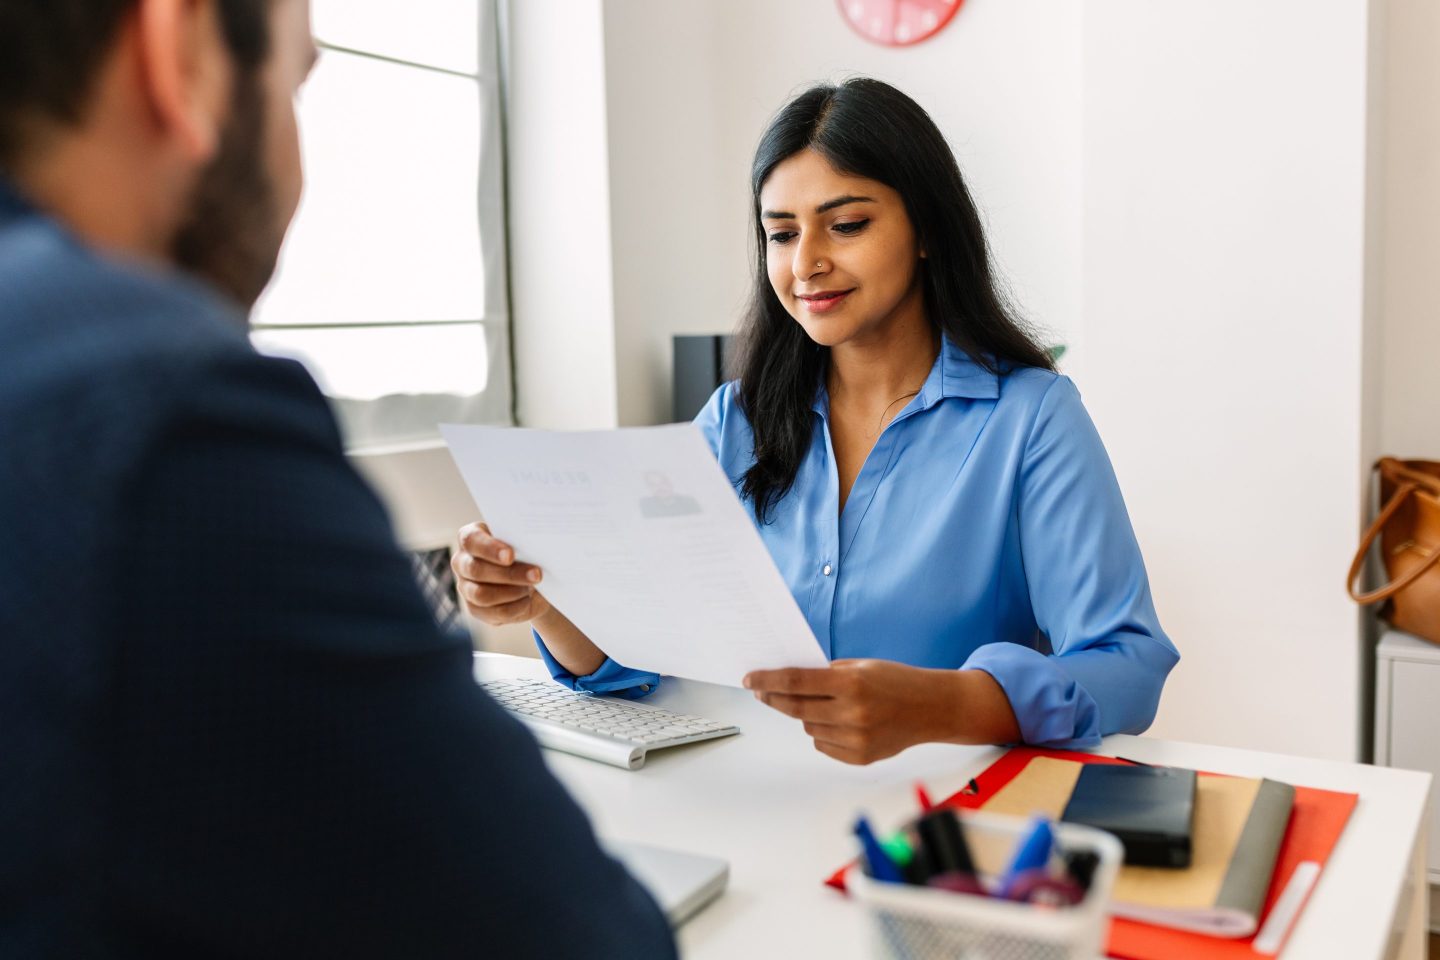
(411, 463)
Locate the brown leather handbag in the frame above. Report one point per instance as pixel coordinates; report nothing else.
(1409, 531)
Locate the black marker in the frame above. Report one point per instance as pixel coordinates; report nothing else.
(944, 842)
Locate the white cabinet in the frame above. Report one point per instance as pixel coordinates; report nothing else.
(1407, 725)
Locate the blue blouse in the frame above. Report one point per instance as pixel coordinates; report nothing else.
(985, 531)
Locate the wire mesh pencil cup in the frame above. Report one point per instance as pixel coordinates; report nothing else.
(920, 923)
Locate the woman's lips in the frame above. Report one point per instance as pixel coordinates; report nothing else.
(824, 302)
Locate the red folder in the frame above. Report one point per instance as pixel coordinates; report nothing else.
(1315, 826)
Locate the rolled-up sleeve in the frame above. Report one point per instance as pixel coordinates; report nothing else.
(1088, 589)
(610, 677)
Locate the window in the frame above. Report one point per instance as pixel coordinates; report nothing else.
(391, 286)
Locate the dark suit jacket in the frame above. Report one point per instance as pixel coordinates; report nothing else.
(229, 726)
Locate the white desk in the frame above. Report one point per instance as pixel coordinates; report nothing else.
(781, 813)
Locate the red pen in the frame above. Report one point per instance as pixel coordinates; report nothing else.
(924, 798)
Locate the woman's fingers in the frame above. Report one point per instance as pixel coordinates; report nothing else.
(469, 567)
(492, 595)
(475, 539)
(829, 710)
(520, 611)
(495, 588)
(795, 681)
(484, 559)
(858, 711)
(856, 745)
(841, 753)
(498, 606)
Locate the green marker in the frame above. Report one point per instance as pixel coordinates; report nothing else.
(899, 849)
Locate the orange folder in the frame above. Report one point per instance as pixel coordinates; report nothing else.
(1315, 826)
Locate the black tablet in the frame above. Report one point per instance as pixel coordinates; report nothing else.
(1150, 809)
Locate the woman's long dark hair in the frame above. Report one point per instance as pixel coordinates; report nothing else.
(869, 129)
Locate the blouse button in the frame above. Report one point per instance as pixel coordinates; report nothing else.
(825, 569)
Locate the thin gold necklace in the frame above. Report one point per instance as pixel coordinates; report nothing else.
(880, 427)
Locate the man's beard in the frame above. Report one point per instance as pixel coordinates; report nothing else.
(230, 236)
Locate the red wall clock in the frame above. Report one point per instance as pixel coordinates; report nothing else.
(898, 23)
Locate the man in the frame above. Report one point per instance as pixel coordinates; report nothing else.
(228, 723)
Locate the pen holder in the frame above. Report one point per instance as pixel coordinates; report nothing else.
(920, 923)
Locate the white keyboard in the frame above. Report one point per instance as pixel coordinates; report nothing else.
(613, 731)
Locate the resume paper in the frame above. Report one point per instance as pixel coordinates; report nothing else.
(644, 546)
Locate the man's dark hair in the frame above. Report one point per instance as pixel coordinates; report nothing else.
(51, 52)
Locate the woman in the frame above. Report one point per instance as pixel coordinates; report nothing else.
(932, 491)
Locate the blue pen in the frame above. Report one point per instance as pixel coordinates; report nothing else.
(1032, 854)
(881, 866)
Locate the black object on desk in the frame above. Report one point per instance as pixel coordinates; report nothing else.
(1150, 809)
(943, 843)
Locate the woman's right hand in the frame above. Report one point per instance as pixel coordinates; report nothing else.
(497, 591)
(495, 588)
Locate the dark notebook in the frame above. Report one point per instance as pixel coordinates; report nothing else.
(1151, 810)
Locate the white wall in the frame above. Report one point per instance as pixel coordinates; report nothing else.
(674, 195)
(559, 204)
(1179, 191)
(1225, 177)
(1411, 290)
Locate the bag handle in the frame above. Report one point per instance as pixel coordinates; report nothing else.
(1400, 471)
(1390, 589)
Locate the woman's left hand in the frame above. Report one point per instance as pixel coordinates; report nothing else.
(860, 711)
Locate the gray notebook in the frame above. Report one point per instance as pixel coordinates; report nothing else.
(1239, 826)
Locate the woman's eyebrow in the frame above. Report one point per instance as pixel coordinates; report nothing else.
(827, 205)
(842, 201)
